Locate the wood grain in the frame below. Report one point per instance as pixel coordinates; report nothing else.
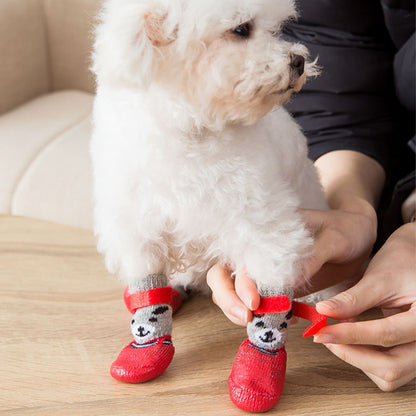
(62, 323)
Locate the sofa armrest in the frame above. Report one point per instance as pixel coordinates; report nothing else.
(24, 72)
(70, 25)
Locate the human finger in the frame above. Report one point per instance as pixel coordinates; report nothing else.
(392, 385)
(224, 295)
(340, 236)
(362, 296)
(314, 222)
(387, 332)
(333, 239)
(389, 369)
(330, 275)
(232, 318)
(246, 290)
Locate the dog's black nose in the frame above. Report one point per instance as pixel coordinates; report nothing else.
(297, 64)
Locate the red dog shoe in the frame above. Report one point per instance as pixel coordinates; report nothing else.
(257, 377)
(138, 363)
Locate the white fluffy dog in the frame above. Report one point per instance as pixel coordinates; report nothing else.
(191, 165)
(192, 168)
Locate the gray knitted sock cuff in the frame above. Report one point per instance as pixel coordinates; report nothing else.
(152, 281)
(267, 291)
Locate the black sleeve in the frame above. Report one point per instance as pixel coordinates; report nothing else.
(404, 74)
(351, 104)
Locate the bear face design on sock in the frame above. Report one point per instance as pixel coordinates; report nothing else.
(151, 322)
(269, 331)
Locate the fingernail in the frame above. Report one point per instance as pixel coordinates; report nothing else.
(249, 303)
(245, 298)
(330, 303)
(239, 313)
(331, 347)
(355, 319)
(323, 339)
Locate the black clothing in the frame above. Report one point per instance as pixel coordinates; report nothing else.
(367, 53)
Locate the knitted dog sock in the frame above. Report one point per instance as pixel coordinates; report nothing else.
(151, 322)
(268, 330)
(151, 351)
(258, 373)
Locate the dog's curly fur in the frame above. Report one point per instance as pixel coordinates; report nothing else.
(191, 166)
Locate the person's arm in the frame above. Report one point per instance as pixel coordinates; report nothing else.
(344, 236)
(351, 180)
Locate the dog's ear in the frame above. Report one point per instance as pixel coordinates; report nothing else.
(130, 40)
(156, 31)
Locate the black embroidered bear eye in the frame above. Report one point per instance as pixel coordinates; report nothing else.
(160, 309)
(260, 324)
(283, 325)
(132, 321)
(153, 319)
(243, 30)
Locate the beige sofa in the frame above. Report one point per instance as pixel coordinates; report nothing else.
(46, 96)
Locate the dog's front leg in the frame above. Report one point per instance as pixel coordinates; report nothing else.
(273, 257)
(150, 300)
(273, 251)
(142, 263)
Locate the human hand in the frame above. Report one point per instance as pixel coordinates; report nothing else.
(237, 295)
(343, 240)
(388, 283)
(344, 235)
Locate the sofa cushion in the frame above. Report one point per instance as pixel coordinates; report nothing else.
(44, 159)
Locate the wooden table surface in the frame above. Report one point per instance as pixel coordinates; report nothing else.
(63, 321)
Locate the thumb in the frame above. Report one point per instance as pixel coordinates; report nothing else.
(322, 247)
(319, 256)
(350, 303)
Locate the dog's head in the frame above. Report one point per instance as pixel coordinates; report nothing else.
(224, 60)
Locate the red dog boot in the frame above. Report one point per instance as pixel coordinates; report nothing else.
(138, 363)
(257, 377)
(152, 350)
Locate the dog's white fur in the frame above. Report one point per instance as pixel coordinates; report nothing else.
(191, 167)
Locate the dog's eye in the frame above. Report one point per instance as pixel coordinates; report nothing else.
(243, 30)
